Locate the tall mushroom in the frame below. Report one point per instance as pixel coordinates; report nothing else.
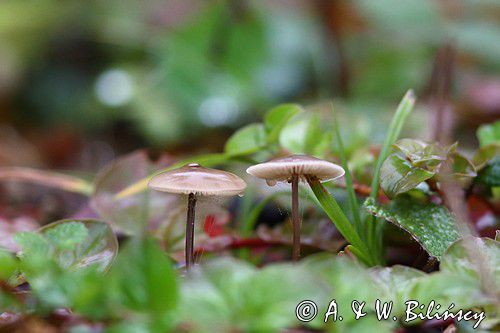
(293, 169)
(195, 180)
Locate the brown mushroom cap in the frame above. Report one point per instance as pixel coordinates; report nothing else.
(193, 178)
(282, 169)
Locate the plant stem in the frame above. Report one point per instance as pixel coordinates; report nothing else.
(351, 194)
(295, 218)
(334, 212)
(190, 230)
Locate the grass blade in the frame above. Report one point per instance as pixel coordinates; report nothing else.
(374, 233)
(402, 112)
(360, 255)
(334, 212)
(351, 195)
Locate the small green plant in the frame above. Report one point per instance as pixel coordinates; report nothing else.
(72, 270)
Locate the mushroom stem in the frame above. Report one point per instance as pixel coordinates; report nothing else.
(190, 230)
(295, 218)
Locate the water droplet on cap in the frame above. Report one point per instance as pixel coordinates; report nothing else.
(270, 182)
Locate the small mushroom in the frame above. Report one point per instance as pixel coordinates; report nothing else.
(293, 169)
(195, 180)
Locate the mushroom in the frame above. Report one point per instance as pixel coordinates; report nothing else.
(293, 169)
(195, 180)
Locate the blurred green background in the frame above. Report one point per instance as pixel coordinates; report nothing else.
(84, 81)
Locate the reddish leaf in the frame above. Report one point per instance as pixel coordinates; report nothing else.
(212, 227)
(482, 216)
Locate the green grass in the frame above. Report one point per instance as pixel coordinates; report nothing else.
(374, 229)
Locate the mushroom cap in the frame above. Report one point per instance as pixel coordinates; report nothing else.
(282, 169)
(193, 178)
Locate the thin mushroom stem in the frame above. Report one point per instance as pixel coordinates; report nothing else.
(295, 218)
(190, 230)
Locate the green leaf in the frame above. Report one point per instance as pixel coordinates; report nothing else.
(346, 279)
(145, 278)
(247, 140)
(399, 176)
(458, 260)
(489, 134)
(302, 134)
(395, 283)
(246, 47)
(370, 324)
(87, 293)
(490, 175)
(314, 135)
(53, 285)
(35, 255)
(323, 146)
(429, 224)
(66, 235)
(463, 168)
(8, 265)
(422, 154)
(88, 243)
(32, 244)
(229, 295)
(416, 161)
(262, 315)
(410, 147)
(468, 276)
(445, 288)
(484, 154)
(276, 119)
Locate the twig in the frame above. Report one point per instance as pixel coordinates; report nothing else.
(439, 91)
(46, 178)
